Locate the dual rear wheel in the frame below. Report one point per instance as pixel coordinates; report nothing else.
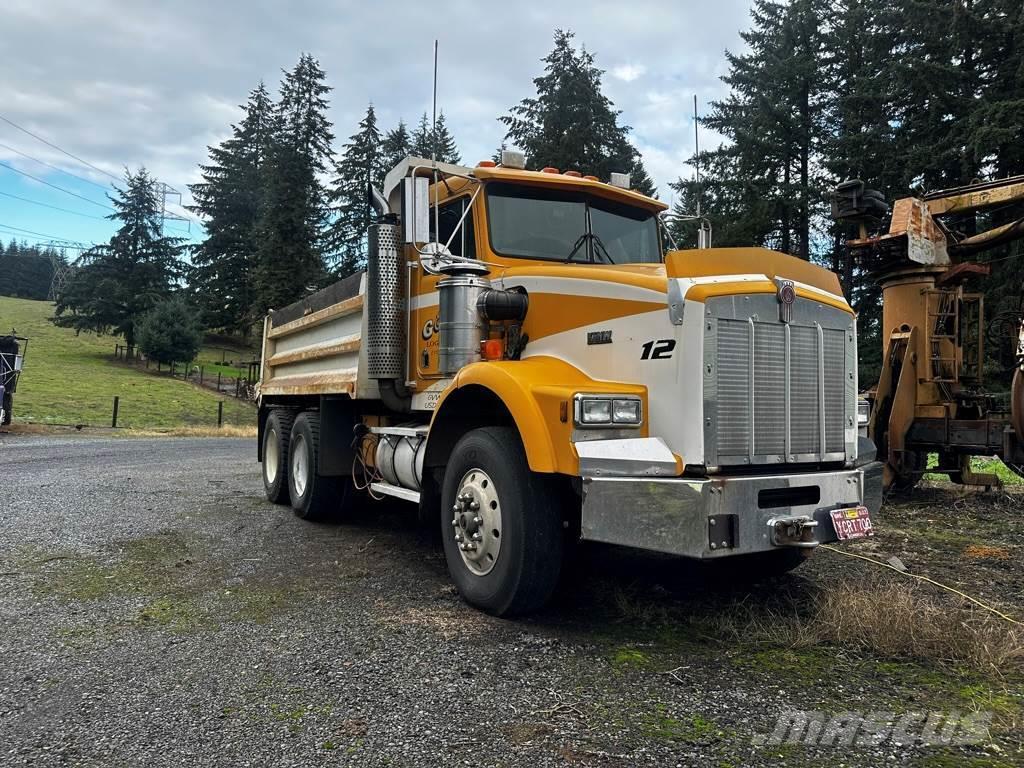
(291, 445)
(500, 523)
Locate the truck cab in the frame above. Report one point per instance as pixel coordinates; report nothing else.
(528, 361)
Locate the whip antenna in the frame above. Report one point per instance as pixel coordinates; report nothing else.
(703, 225)
(696, 153)
(433, 149)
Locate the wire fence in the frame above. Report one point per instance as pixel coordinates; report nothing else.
(232, 378)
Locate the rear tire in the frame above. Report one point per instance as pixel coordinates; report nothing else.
(276, 436)
(314, 497)
(516, 561)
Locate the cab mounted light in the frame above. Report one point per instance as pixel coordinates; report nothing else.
(607, 411)
(620, 180)
(512, 159)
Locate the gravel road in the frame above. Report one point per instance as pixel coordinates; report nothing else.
(157, 611)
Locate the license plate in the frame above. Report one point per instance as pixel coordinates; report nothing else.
(852, 523)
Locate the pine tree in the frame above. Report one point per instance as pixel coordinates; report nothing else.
(422, 138)
(125, 278)
(359, 167)
(570, 124)
(229, 199)
(169, 332)
(773, 119)
(395, 147)
(295, 209)
(444, 143)
(996, 126)
(937, 83)
(427, 140)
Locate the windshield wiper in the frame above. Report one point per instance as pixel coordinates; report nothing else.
(599, 244)
(582, 239)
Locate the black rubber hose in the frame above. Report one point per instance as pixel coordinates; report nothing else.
(498, 306)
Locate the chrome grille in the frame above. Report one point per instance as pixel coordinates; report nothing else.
(776, 393)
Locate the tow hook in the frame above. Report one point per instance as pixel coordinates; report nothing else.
(793, 531)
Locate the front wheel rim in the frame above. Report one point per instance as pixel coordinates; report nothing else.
(271, 457)
(300, 465)
(476, 523)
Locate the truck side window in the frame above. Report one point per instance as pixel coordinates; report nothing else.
(463, 244)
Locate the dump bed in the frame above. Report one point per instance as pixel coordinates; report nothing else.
(314, 346)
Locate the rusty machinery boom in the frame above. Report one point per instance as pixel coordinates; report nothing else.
(930, 397)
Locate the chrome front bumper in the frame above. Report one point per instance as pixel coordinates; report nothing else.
(722, 516)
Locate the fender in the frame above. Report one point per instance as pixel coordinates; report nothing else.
(535, 404)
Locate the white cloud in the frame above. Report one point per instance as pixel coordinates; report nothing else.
(146, 83)
(628, 72)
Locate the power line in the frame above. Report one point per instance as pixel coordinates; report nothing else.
(59, 189)
(56, 245)
(56, 168)
(50, 144)
(54, 207)
(185, 217)
(39, 234)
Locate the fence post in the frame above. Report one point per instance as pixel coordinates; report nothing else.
(236, 387)
(172, 369)
(113, 420)
(220, 413)
(147, 363)
(200, 375)
(218, 381)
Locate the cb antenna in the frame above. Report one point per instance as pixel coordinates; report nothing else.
(433, 150)
(703, 225)
(696, 153)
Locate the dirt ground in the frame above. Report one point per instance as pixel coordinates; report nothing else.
(156, 610)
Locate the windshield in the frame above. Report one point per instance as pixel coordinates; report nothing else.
(539, 223)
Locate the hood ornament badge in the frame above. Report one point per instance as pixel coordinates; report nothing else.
(786, 295)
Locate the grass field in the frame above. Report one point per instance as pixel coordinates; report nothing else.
(71, 379)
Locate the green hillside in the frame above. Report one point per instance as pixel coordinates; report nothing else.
(71, 379)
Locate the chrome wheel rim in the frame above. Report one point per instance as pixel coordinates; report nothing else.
(271, 457)
(476, 524)
(300, 465)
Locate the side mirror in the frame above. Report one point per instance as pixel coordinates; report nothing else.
(415, 210)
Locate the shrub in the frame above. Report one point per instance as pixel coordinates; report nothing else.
(170, 333)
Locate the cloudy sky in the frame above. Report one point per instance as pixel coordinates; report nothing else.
(139, 82)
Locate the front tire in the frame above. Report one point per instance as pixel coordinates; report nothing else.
(314, 497)
(276, 436)
(501, 530)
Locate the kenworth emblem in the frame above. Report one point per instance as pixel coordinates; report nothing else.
(787, 296)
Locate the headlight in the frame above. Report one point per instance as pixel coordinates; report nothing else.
(608, 411)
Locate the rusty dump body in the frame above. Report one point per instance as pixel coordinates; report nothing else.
(930, 397)
(313, 347)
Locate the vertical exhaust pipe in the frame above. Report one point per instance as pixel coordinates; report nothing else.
(386, 345)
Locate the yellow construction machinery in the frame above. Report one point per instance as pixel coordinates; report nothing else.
(930, 397)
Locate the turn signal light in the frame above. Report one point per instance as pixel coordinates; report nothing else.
(491, 349)
(486, 164)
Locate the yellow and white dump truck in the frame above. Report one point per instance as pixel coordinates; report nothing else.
(527, 361)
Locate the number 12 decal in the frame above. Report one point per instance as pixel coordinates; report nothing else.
(658, 350)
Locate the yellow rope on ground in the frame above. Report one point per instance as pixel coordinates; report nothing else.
(964, 595)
